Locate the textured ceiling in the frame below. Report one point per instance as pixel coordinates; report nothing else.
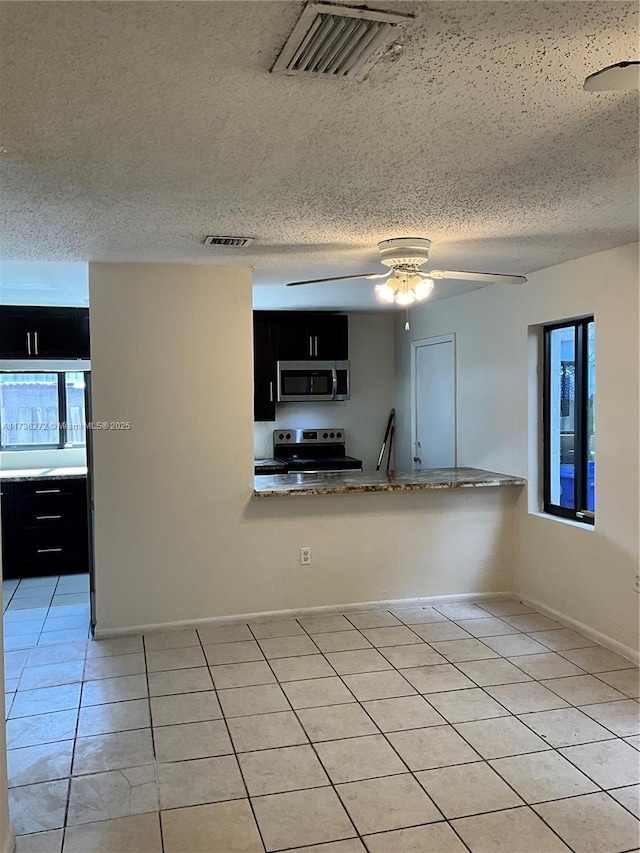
(131, 130)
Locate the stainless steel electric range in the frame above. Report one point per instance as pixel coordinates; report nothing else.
(313, 451)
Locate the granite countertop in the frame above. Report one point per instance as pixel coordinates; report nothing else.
(268, 466)
(379, 481)
(22, 474)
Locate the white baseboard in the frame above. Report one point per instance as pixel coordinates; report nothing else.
(603, 639)
(9, 840)
(104, 633)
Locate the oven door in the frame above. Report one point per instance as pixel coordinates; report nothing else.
(304, 381)
(328, 466)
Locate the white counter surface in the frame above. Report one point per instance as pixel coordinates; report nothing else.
(42, 473)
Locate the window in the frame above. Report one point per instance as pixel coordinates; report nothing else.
(41, 410)
(569, 425)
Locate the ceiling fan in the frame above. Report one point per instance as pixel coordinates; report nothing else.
(405, 282)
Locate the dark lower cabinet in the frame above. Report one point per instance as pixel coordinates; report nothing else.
(44, 527)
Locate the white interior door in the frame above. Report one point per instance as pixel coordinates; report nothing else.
(434, 402)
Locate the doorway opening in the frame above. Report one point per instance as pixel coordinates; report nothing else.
(47, 501)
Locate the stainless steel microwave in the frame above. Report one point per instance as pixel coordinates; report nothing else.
(305, 381)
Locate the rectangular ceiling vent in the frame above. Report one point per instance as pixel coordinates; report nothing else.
(341, 42)
(230, 242)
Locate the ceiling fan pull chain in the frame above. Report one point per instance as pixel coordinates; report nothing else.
(407, 326)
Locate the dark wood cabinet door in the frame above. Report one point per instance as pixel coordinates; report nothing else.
(264, 368)
(305, 336)
(16, 332)
(57, 333)
(330, 333)
(83, 348)
(294, 340)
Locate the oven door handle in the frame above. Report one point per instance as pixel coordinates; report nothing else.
(334, 391)
(325, 471)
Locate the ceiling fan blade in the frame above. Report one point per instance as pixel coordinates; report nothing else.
(614, 78)
(496, 277)
(338, 278)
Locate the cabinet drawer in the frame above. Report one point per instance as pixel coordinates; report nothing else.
(42, 489)
(40, 543)
(50, 510)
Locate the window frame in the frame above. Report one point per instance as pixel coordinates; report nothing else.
(63, 430)
(581, 513)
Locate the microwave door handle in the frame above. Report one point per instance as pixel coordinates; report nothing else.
(334, 373)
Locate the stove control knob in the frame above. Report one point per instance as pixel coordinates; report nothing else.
(288, 436)
(325, 435)
(338, 435)
(281, 436)
(332, 435)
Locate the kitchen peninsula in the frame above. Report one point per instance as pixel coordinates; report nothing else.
(348, 482)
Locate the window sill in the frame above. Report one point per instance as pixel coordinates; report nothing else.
(581, 525)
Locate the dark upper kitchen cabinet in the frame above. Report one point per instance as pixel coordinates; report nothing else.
(264, 367)
(15, 332)
(43, 332)
(302, 336)
(83, 348)
(292, 336)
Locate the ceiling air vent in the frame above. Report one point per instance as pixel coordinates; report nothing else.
(337, 41)
(230, 242)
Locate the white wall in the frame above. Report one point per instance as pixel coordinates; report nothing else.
(44, 283)
(364, 416)
(583, 573)
(179, 535)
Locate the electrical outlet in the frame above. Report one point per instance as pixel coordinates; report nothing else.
(305, 556)
(636, 585)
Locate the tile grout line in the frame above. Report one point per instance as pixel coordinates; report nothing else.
(233, 746)
(153, 742)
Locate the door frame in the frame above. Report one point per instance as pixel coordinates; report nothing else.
(436, 339)
(88, 402)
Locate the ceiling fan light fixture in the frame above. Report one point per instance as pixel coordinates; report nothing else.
(405, 296)
(423, 288)
(404, 287)
(385, 291)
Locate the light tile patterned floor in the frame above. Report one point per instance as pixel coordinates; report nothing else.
(44, 610)
(426, 730)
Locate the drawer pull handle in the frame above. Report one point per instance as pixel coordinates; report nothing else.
(48, 491)
(46, 517)
(49, 550)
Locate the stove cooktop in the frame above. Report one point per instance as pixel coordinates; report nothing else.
(313, 450)
(326, 463)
